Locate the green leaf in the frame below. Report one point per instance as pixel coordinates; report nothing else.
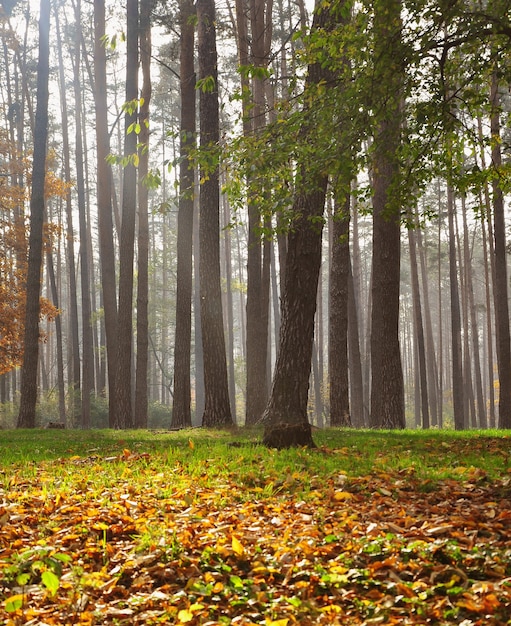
(207, 84)
(14, 603)
(50, 581)
(22, 579)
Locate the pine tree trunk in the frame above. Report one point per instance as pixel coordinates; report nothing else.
(419, 333)
(72, 302)
(181, 410)
(387, 392)
(456, 349)
(141, 381)
(28, 398)
(104, 203)
(501, 290)
(87, 342)
(217, 411)
(338, 318)
(123, 410)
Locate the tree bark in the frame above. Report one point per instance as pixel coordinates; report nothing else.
(141, 381)
(28, 398)
(87, 342)
(123, 410)
(338, 318)
(104, 202)
(500, 291)
(387, 391)
(456, 346)
(419, 332)
(72, 301)
(181, 410)
(217, 410)
(285, 417)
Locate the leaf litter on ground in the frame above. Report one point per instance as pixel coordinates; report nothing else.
(142, 535)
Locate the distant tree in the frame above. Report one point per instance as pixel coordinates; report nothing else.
(141, 391)
(87, 339)
(74, 367)
(28, 397)
(338, 317)
(217, 411)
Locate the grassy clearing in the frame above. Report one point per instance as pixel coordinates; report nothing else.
(209, 527)
(430, 455)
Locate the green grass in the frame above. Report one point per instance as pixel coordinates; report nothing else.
(428, 455)
(208, 526)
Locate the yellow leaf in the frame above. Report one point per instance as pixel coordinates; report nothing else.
(191, 445)
(277, 622)
(237, 547)
(343, 495)
(184, 616)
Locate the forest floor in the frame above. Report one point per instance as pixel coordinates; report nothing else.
(208, 527)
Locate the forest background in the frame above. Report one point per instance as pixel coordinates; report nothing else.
(350, 175)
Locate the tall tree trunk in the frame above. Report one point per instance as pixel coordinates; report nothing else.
(72, 303)
(123, 410)
(387, 392)
(338, 317)
(257, 286)
(229, 309)
(87, 344)
(419, 332)
(355, 360)
(285, 417)
(28, 398)
(476, 357)
(200, 396)
(489, 324)
(104, 200)
(181, 411)
(457, 357)
(500, 293)
(58, 332)
(217, 410)
(141, 395)
(489, 276)
(430, 344)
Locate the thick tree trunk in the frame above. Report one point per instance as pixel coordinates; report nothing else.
(217, 411)
(123, 410)
(387, 391)
(257, 261)
(104, 201)
(28, 398)
(181, 410)
(285, 417)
